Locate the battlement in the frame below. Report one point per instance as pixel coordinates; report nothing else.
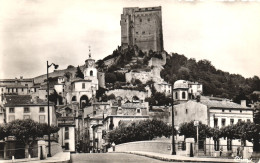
(129, 10)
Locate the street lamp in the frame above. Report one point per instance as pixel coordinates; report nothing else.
(49, 141)
(173, 141)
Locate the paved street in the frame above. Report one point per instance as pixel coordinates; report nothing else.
(112, 158)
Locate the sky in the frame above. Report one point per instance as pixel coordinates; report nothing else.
(61, 31)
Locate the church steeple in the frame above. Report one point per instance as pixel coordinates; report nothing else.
(89, 54)
(89, 62)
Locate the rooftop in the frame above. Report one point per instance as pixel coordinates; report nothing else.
(18, 100)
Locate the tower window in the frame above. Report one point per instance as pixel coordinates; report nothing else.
(91, 73)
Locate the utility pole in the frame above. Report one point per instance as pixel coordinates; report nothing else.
(173, 141)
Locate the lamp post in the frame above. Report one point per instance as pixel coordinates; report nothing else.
(173, 141)
(49, 141)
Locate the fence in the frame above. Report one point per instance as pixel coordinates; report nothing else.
(18, 153)
(227, 150)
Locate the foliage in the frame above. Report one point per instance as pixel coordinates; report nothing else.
(54, 97)
(190, 131)
(158, 99)
(215, 82)
(27, 131)
(68, 75)
(70, 67)
(142, 130)
(79, 73)
(110, 78)
(100, 92)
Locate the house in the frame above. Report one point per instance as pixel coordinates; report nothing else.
(214, 112)
(24, 107)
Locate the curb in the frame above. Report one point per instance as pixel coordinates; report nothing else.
(178, 159)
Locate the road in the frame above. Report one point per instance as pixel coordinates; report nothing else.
(112, 158)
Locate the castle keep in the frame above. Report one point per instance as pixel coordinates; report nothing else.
(142, 27)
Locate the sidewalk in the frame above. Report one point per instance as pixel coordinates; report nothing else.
(172, 158)
(62, 157)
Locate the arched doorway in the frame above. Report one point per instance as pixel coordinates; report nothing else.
(84, 101)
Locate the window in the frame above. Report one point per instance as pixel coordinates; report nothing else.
(2, 89)
(136, 33)
(176, 95)
(11, 110)
(215, 122)
(240, 111)
(223, 122)
(186, 111)
(223, 110)
(34, 89)
(22, 89)
(42, 118)
(83, 85)
(231, 121)
(138, 110)
(66, 132)
(26, 85)
(140, 20)
(148, 19)
(91, 73)
(175, 113)
(66, 146)
(11, 118)
(248, 120)
(42, 109)
(183, 95)
(26, 110)
(239, 120)
(26, 117)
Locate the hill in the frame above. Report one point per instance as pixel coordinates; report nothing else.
(215, 82)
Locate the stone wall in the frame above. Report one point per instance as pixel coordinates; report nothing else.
(128, 94)
(163, 147)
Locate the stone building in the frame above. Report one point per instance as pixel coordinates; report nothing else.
(142, 27)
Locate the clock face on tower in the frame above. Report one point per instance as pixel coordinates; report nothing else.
(90, 63)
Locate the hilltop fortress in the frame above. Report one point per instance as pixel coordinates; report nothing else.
(142, 27)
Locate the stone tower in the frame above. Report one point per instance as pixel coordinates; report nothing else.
(142, 27)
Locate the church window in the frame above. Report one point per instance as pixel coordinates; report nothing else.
(183, 95)
(83, 85)
(91, 73)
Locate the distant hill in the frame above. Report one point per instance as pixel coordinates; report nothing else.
(215, 82)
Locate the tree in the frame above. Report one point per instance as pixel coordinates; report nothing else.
(70, 67)
(140, 130)
(68, 75)
(110, 78)
(27, 131)
(79, 73)
(54, 97)
(190, 131)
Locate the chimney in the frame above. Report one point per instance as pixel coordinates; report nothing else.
(243, 103)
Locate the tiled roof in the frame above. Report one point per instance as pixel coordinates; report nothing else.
(222, 104)
(16, 86)
(17, 100)
(80, 80)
